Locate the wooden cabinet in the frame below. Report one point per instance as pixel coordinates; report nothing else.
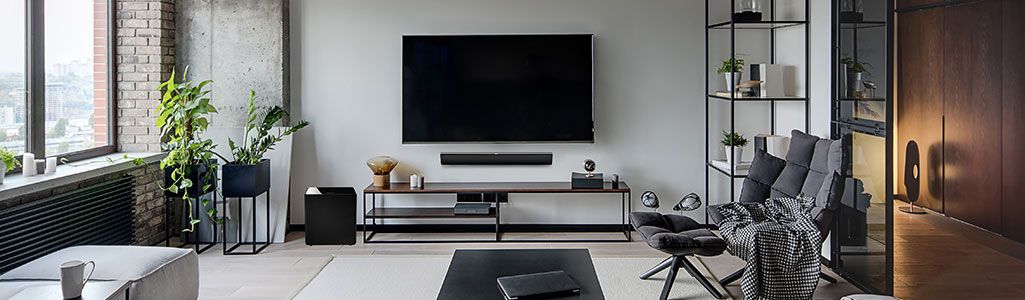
(1013, 120)
(920, 100)
(972, 107)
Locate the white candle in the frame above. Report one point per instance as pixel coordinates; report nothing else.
(28, 164)
(414, 181)
(51, 165)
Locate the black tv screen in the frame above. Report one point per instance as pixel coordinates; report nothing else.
(497, 88)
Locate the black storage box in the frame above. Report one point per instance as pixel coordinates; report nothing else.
(245, 180)
(581, 181)
(330, 216)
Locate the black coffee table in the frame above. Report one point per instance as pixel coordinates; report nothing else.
(473, 273)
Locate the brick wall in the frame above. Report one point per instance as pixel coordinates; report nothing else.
(100, 49)
(145, 56)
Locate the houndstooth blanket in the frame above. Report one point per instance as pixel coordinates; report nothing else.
(780, 243)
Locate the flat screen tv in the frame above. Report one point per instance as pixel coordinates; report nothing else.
(497, 88)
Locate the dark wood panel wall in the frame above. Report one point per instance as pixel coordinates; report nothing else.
(920, 104)
(962, 64)
(1013, 89)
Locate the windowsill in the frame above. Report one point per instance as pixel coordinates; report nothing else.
(16, 185)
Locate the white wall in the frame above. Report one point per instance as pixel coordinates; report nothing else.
(649, 112)
(649, 97)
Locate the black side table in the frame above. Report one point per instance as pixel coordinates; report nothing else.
(330, 216)
(246, 182)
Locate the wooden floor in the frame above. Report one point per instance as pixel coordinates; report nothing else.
(936, 257)
(282, 269)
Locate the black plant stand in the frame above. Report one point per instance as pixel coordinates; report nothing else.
(198, 212)
(255, 250)
(247, 182)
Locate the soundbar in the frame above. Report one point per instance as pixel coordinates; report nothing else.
(496, 159)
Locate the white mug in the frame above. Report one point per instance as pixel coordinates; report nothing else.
(73, 277)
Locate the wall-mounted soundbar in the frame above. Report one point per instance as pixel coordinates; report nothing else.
(496, 159)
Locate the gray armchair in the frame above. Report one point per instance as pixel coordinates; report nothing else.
(814, 167)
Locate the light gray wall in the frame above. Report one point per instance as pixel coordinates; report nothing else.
(346, 61)
(241, 46)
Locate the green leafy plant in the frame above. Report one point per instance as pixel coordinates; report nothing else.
(733, 139)
(10, 160)
(731, 65)
(258, 139)
(855, 66)
(183, 114)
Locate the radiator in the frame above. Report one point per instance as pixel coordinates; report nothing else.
(100, 214)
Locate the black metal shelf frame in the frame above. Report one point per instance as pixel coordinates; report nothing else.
(771, 25)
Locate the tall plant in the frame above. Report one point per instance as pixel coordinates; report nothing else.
(257, 138)
(182, 116)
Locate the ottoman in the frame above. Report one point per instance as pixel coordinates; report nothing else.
(154, 272)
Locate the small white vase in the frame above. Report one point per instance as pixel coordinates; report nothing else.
(731, 78)
(733, 152)
(3, 171)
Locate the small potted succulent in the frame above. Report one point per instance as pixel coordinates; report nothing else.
(732, 68)
(733, 143)
(8, 162)
(248, 174)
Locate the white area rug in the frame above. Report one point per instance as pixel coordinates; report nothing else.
(420, 277)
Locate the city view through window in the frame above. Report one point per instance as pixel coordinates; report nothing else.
(75, 70)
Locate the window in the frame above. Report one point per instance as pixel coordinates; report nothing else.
(55, 94)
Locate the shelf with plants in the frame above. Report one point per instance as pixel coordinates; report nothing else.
(749, 16)
(858, 98)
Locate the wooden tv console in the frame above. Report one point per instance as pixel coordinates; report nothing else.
(376, 212)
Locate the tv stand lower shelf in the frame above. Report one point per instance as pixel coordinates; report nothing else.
(373, 214)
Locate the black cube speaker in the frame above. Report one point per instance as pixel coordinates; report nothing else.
(496, 159)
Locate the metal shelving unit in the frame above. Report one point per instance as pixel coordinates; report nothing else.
(770, 27)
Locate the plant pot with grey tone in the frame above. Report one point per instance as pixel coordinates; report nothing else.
(855, 85)
(241, 180)
(733, 144)
(732, 79)
(3, 168)
(734, 154)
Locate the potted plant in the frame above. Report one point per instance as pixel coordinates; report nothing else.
(8, 162)
(732, 68)
(855, 76)
(189, 167)
(734, 144)
(248, 174)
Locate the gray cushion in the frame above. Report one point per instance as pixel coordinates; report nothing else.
(765, 169)
(154, 272)
(676, 235)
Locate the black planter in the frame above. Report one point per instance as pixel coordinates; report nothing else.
(198, 175)
(246, 180)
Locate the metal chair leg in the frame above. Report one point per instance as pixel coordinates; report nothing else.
(658, 268)
(700, 278)
(671, 277)
(731, 278)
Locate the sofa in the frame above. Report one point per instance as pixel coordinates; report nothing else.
(153, 272)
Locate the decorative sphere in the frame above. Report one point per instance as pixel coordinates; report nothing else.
(649, 199)
(589, 165)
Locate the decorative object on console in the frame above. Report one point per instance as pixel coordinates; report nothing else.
(414, 181)
(870, 88)
(589, 166)
(912, 178)
(382, 167)
(650, 200)
(732, 68)
(615, 181)
(750, 11)
(689, 202)
(589, 180)
(28, 164)
(776, 145)
(7, 163)
(851, 11)
(734, 144)
(421, 182)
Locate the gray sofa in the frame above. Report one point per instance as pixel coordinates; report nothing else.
(153, 272)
